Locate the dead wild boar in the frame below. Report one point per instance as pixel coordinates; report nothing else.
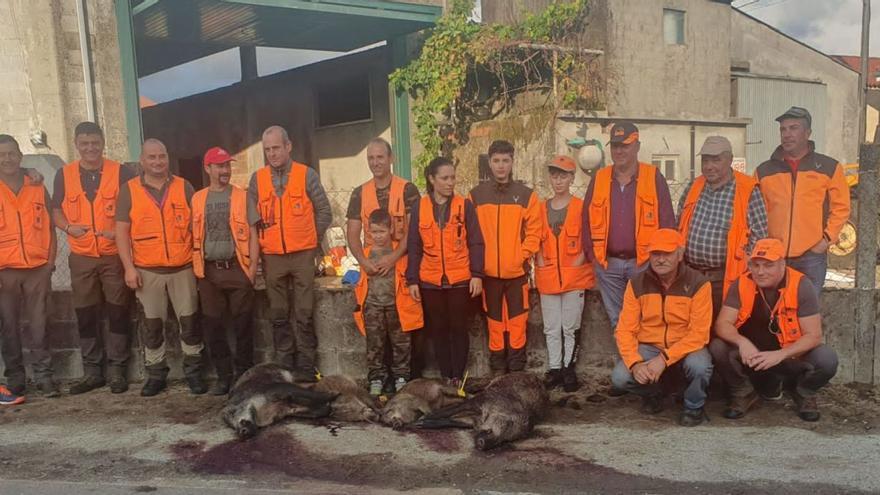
(266, 394)
(505, 411)
(352, 403)
(417, 398)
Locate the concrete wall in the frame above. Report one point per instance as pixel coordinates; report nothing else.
(235, 116)
(768, 52)
(341, 348)
(41, 68)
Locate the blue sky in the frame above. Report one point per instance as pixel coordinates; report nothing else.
(832, 26)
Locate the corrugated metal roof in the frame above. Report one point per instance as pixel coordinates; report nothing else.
(172, 32)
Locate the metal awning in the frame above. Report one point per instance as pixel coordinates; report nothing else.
(172, 32)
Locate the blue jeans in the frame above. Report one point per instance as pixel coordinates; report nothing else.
(813, 265)
(612, 284)
(697, 370)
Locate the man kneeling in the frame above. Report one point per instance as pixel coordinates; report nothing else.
(665, 320)
(770, 333)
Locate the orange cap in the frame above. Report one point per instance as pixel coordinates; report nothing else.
(562, 162)
(768, 249)
(666, 241)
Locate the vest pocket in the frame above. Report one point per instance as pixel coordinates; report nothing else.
(427, 233)
(649, 218)
(109, 208)
(295, 196)
(571, 239)
(39, 209)
(240, 231)
(73, 209)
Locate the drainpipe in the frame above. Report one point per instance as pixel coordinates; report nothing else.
(693, 150)
(86, 52)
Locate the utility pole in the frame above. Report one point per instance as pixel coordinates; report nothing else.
(863, 76)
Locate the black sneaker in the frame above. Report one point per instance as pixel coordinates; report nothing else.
(652, 404)
(570, 380)
(552, 378)
(691, 417)
(196, 385)
(118, 385)
(152, 387)
(87, 384)
(49, 389)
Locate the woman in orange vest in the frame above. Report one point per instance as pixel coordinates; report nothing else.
(562, 274)
(446, 256)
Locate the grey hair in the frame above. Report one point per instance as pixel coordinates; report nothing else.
(279, 129)
(383, 142)
(152, 141)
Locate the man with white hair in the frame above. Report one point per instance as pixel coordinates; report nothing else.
(294, 213)
(665, 321)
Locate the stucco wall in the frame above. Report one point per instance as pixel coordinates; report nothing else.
(768, 52)
(41, 68)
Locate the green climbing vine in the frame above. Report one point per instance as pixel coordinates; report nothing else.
(468, 71)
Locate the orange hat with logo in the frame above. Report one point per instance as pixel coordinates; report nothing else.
(665, 241)
(562, 162)
(768, 249)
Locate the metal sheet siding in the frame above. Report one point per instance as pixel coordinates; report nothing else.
(764, 99)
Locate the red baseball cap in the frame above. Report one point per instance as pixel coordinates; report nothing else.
(217, 155)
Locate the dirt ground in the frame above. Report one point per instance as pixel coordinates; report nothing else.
(589, 443)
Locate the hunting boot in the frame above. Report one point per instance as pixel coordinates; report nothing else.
(118, 381)
(516, 359)
(157, 375)
(552, 379)
(192, 372)
(223, 367)
(742, 398)
(808, 407)
(215, 339)
(569, 379)
(497, 363)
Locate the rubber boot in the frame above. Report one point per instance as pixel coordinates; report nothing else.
(192, 371)
(157, 375)
(497, 363)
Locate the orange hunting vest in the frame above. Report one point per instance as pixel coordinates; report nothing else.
(396, 208)
(559, 274)
(445, 251)
(738, 235)
(25, 229)
(238, 225)
(160, 236)
(408, 309)
(99, 214)
(786, 308)
(647, 211)
(288, 221)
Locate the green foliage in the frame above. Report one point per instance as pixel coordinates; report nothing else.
(468, 71)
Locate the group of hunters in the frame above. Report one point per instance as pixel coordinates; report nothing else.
(732, 284)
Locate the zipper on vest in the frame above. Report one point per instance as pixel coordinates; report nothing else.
(443, 252)
(665, 323)
(558, 260)
(791, 211)
(94, 227)
(281, 225)
(164, 233)
(498, 236)
(21, 238)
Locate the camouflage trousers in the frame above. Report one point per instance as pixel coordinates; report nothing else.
(382, 326)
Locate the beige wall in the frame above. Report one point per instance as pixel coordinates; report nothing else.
(41, 69)
(768, 52)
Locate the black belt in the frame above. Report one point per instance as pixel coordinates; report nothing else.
(223, 264)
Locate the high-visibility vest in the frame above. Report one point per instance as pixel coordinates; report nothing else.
(408, 309)
(238, 225)
(786, 309)
(160, 236)
(25, 229)
(445, 251)
(739, 233)
(288, 221)
(647, 211)
(99, 214)
(559, 274)
(396, 208)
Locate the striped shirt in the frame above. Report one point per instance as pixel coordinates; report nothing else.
(707, 236)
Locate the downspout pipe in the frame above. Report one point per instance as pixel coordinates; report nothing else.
(85, 50)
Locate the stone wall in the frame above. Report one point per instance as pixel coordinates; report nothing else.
(341, 347)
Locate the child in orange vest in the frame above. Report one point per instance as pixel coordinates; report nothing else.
(385, 310)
